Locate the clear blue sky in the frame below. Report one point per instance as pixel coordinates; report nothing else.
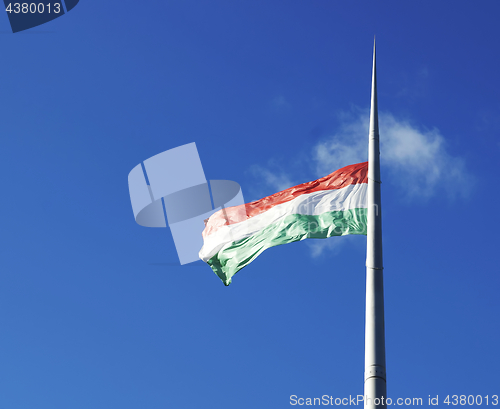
(94, 311)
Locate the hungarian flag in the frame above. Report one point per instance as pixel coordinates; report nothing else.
(334, 205)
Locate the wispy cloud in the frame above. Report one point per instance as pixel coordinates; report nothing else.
(412, 85)
(271, 178)
(318, 247)
(416, 158)
(332, 246)
(280, 103)
(489, 120)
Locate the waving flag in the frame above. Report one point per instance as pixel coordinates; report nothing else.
(334, 205)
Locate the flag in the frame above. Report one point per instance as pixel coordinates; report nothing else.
(334, 205)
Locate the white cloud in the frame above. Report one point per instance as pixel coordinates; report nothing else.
(489, 120)
(318, 247)
(416, 158)
(280, 103)
(347, 146)
(332, 245)
(412, 85)
(271, 179)
(424, 72)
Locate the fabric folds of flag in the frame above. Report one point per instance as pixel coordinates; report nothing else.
(334, 205)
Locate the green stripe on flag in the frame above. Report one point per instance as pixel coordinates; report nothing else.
(229, 260)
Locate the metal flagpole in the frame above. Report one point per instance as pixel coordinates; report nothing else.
(375, 381)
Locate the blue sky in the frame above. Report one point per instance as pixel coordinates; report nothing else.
(94, 311)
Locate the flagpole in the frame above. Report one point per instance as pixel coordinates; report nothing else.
(375, 380)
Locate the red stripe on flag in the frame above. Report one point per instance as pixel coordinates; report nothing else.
(349, 175)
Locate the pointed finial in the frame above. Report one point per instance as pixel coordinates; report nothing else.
(374, 108)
